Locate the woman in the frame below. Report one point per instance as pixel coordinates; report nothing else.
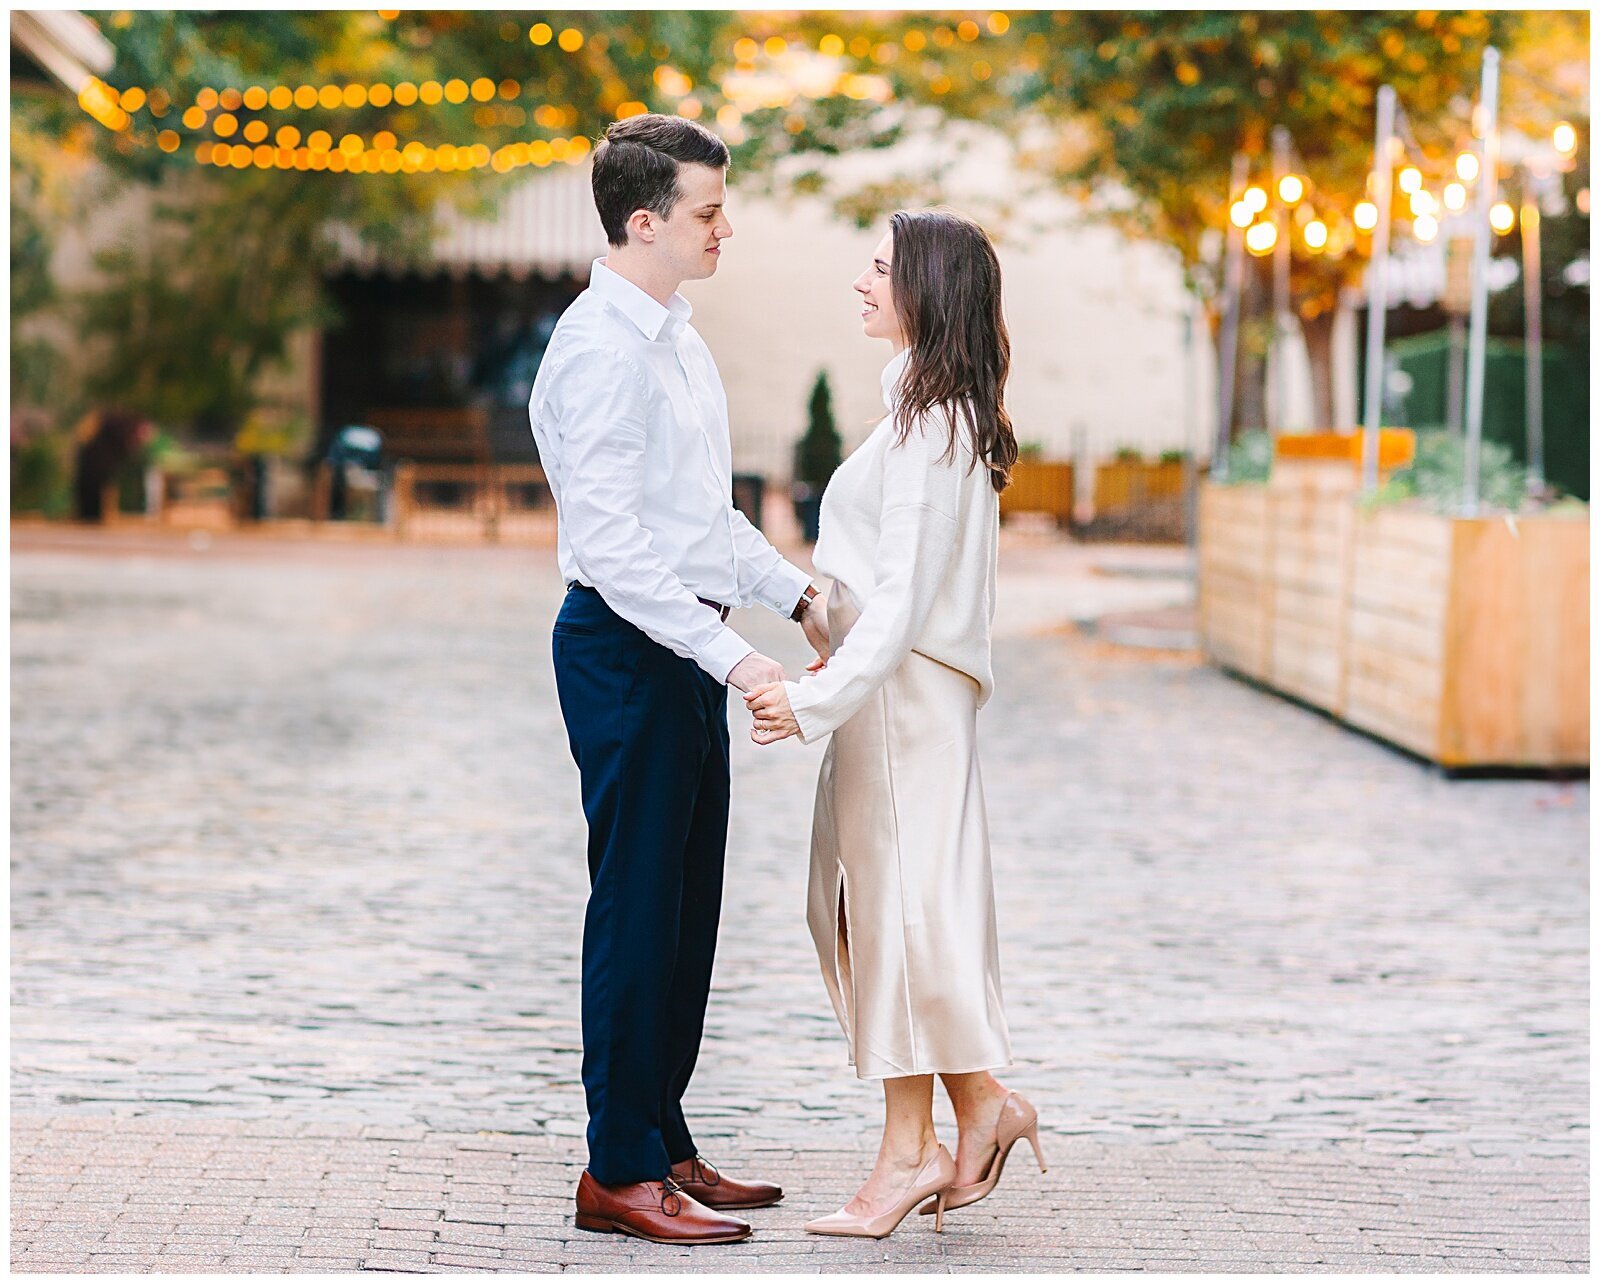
(901, 901)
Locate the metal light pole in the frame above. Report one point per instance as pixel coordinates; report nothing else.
(1457, 303)
(1488, 180)
(1191, 432)
(1280, 282)
(1533, 346)
(1233, 290)
(1377, 288)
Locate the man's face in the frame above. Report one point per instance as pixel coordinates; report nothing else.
(690, 238)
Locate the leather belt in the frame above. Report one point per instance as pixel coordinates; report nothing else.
(723, 611)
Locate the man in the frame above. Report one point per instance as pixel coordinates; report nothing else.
(632, 427)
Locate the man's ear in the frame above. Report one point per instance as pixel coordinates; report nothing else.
(642, 225)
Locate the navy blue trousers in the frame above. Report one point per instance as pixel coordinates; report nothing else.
(649, 732)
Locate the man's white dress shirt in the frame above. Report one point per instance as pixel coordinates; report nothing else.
(632, 426)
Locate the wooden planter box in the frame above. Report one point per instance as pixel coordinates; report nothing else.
(1121, 484)
(1040, 486)
(1464, 640)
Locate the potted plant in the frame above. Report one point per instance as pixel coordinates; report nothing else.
(1462, 639)
(817, 454)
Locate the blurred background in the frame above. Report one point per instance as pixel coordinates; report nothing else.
(236, 236)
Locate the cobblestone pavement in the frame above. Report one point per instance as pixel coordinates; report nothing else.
(296, 896)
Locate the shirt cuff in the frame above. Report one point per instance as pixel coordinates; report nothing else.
(722, 655)
(783, 588)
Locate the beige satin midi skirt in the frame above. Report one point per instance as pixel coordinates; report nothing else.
(901, 896)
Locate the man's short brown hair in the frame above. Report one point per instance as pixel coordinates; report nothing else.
(636, 167)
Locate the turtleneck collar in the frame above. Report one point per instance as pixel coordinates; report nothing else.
(890, 378)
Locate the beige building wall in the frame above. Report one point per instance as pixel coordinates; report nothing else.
(1096, 323)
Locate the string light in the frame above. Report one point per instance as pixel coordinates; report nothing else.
(1261, 238)
(386, 156)
(1255, 199)
(1467, 166)
(1291, 188)
(1366, 216)
(1426, 227)
(1241, 214)
(1502, 217)
(1316, 235)
(1410, 179)
(1564, 137)
(1455, 197)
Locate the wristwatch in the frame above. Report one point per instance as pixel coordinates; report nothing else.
(804, 604)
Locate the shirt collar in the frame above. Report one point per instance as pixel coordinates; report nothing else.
(652, 320)
(890, 378)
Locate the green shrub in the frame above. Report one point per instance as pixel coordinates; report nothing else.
(1250, 457)
(1437, 474)
(820, 450)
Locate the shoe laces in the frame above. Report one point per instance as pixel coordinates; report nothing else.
(671, 1190)
(702, 1167)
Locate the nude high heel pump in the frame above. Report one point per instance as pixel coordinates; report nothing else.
(1018, 1119)
(934, 1179)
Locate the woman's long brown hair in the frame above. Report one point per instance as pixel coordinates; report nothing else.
(946, 283)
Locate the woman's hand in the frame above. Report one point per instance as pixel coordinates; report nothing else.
(774, 719)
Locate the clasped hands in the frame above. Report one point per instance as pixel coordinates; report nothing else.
(761, 681)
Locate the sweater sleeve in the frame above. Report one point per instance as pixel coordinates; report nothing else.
(916, 541)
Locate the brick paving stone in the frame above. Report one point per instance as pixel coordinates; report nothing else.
(297, 890)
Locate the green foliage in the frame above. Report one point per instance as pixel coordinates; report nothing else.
(1128, 455)
(1173, 456)
(191, 318)
(1250, 457)
(1436, 476)
(41, 472)
(819, 451)
(1030, 450)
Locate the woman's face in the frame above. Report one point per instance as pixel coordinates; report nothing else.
(878, 317)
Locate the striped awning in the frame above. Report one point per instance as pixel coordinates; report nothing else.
(546, 226)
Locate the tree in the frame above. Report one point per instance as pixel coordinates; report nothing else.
(258, 131)
(1142, 112)
(1138, 113)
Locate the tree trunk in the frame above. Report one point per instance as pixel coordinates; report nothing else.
(1318, 332)
(1255, 319)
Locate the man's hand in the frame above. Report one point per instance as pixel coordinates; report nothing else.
(753, 671)
(774, 718)
(815, 625)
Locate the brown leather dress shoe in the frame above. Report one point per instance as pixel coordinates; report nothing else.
(660, 1211)
(717, 1190)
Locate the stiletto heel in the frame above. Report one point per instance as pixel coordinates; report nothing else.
(1018, 1119)
(1033, 1140)
(935, 1179)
